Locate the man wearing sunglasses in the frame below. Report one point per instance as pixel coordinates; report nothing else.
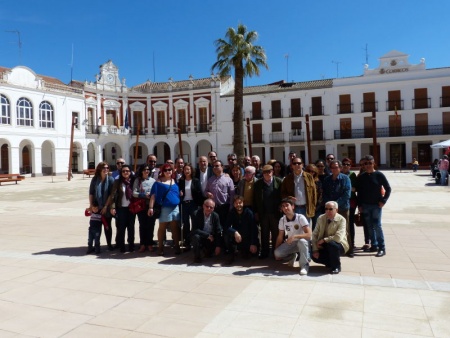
(300, 186)
(116, 173)
(371, 200)
(151, 162)
(329, 238)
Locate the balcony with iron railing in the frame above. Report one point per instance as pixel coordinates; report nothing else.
(445, 101)
(421, 103)
(276, 137)
(394, 131)
(345, 108)
(203, 128)
(258, 138)
(296, 112)
(160, 130)
(296, 135)
(316, 111)
(256, 115)
(393, 105)
(276, 113)
(369, 107)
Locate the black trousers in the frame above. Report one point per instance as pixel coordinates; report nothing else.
(330, 255)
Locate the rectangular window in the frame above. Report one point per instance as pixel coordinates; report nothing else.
(276, 109)
(316, 106)
(256, 113)
(346, 128)
(445, 99)
(421, 124)
(296, 110)
(446, 122)
(395, 125)
(368, 126)
(182, 120)
(160, 122)
(345, 104)
(394, 100)
(203, 118)
(420, 98)
(317, 130)
(369, 103)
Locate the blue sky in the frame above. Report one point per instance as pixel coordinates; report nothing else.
(178, 36)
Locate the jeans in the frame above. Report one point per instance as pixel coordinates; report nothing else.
(372, 217)
(269, 226)
(300, 210)
(444, 174)
(95, 231)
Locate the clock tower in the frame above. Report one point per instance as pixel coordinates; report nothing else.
(108, 79)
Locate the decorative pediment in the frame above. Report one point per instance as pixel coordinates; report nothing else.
(91, 102)
(24, 77)
(159, 105)
(394, 62)
(112, 104)
(181, 104)
(202, 102)
(139, 106)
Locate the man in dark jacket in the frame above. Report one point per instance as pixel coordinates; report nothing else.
(266, 204)
(240, 231)
(206, 231)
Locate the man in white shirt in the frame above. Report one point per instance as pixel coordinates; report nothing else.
(298, 232)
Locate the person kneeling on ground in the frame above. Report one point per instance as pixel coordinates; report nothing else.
(329, 239)
(206, 231)
(298, 232)
(240, 231)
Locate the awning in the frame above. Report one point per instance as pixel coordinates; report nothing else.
(443, 144)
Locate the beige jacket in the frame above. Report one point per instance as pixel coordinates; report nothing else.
(336, 231)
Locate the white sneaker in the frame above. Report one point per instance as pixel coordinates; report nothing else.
(292, 259)
(304, 270)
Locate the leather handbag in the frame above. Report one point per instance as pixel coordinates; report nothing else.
(137, 205)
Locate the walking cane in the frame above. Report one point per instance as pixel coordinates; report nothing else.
(182, 226)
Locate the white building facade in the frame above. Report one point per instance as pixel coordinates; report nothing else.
(35, 124)
(411, 106)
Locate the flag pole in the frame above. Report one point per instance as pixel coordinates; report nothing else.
(136, 146)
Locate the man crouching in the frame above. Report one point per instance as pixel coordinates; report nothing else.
(298, 232)
(329, 239)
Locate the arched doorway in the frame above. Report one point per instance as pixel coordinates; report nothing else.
(26, 160)
(162, 151)
(187, 155)
(4, 164)
(202, 148)
(91, 155)
(138, 155)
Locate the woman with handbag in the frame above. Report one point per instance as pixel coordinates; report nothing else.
(141, 192)
(99, 191)
(191, 199)
(119, 200)
(165, 193)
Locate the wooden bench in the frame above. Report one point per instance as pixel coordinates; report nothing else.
(7, 178)
(88, 172)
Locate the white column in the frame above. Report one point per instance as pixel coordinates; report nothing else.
(36, 156)
(14, 160)
(287, 149)
(408, 151)
(382, 158)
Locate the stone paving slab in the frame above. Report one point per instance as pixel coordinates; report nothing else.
(50, 288)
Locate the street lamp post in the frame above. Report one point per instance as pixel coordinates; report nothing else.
(69, 171)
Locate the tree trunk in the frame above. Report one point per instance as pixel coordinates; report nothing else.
(238, 118)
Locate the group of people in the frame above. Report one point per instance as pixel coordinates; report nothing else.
(293, 212)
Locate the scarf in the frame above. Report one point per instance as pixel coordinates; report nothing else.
(101, 191)
(128, 190)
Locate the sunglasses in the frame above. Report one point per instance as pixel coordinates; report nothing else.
(151, 161)
(329, 209)
(330, 158)
(120, 162)
(167, 170)
(125, 171)
(232, 159)
(368, 163)
(297, 163)
(212, 156)
(346, 164)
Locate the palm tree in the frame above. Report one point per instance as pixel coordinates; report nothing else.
(238, 51)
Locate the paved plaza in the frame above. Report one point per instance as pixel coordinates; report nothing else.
(50, 288)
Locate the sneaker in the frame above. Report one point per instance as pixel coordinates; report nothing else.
(292, 259)
(304, 270)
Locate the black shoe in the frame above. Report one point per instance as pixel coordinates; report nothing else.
(197, 260)
(122, 249)
(373, 249)
(335, 271)
(263, 255)
(131, 248)
(229, 260)
(90, 250)
(110, 247)
(350, 254)
(380, 253)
